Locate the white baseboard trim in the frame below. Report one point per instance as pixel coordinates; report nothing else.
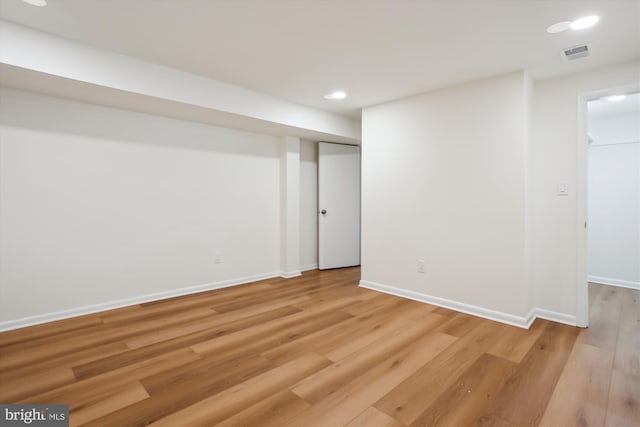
(290, 274)
(309, 267)
(498, 316)
(614, 282)
(531, 317)
(486, 313)
(554, 316)
(522, 322)
(96, 308)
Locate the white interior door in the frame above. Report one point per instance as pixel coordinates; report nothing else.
(338, 205)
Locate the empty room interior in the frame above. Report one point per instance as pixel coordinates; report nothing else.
(307, 213)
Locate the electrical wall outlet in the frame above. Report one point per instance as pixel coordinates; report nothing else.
(421, 266)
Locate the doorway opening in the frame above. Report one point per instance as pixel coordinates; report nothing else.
(608, 193)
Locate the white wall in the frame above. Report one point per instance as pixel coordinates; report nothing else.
(308, 205)
(616, 129)
(444, 179)
(449, 177)
(99, 205)
(614, 200)
(555, 159)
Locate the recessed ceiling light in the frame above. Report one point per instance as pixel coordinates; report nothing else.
(39, 3)
(578, 24)
(614, 98)
(559, 27)
(585, 22)
(336, 94)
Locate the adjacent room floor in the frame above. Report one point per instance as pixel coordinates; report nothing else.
(320, 351)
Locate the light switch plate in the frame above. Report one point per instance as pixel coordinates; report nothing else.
(563, 189)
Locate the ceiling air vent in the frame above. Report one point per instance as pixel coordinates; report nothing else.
(575, 52)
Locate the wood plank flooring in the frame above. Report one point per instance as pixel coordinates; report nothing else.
(320, 351)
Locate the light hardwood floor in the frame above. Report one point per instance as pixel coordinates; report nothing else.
(320, 351)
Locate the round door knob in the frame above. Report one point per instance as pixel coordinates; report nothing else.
(323, 211)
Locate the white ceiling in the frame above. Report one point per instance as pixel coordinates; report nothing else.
(376, 50)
